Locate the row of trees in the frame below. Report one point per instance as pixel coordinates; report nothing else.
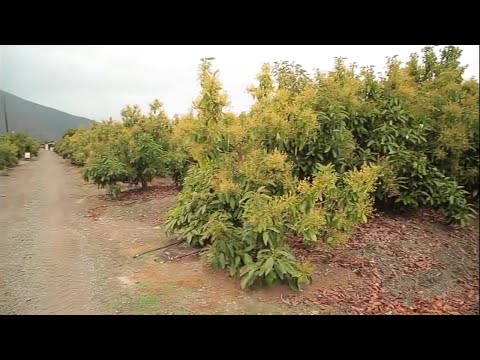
(13, 147)
(309, 159)
(132, 151)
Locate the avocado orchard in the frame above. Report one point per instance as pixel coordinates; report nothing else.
(309, 159)
(134, 151)
(13, 147)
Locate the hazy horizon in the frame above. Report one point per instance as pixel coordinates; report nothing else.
(97, 81)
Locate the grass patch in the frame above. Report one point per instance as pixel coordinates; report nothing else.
(148, 304)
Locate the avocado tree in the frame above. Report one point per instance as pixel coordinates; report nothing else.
(135, 154)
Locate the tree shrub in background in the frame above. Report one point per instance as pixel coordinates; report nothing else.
(8, 154)
(13, 147)
(134, 151)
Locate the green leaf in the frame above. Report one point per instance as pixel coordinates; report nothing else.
(280, 268)
(247, 259)
(303, 206)
(244, 270)
(247, 279)
(221, 260)
(266, 238)
(311, 235)
(237, 260)
(268, 265)
(233, 269)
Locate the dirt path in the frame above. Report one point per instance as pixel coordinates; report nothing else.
(45, 257)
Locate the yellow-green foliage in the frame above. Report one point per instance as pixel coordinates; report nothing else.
(422, 111)
(312, 153)
(242, 200)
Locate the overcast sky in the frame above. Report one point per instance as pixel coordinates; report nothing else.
(97, 81)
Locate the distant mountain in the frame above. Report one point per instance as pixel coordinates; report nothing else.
(37, 120)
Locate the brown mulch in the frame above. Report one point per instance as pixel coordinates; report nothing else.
(131, 196)
(95, 212)
(148, 193)
(410, 264)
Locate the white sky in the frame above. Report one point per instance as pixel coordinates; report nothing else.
(97, 81)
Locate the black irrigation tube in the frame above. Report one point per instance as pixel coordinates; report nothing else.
(159, 248)
(185, 255)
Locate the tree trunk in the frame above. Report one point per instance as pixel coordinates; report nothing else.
(144, 184)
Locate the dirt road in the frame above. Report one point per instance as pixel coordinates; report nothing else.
(45, 257)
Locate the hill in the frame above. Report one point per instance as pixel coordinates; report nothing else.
(40, 121)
